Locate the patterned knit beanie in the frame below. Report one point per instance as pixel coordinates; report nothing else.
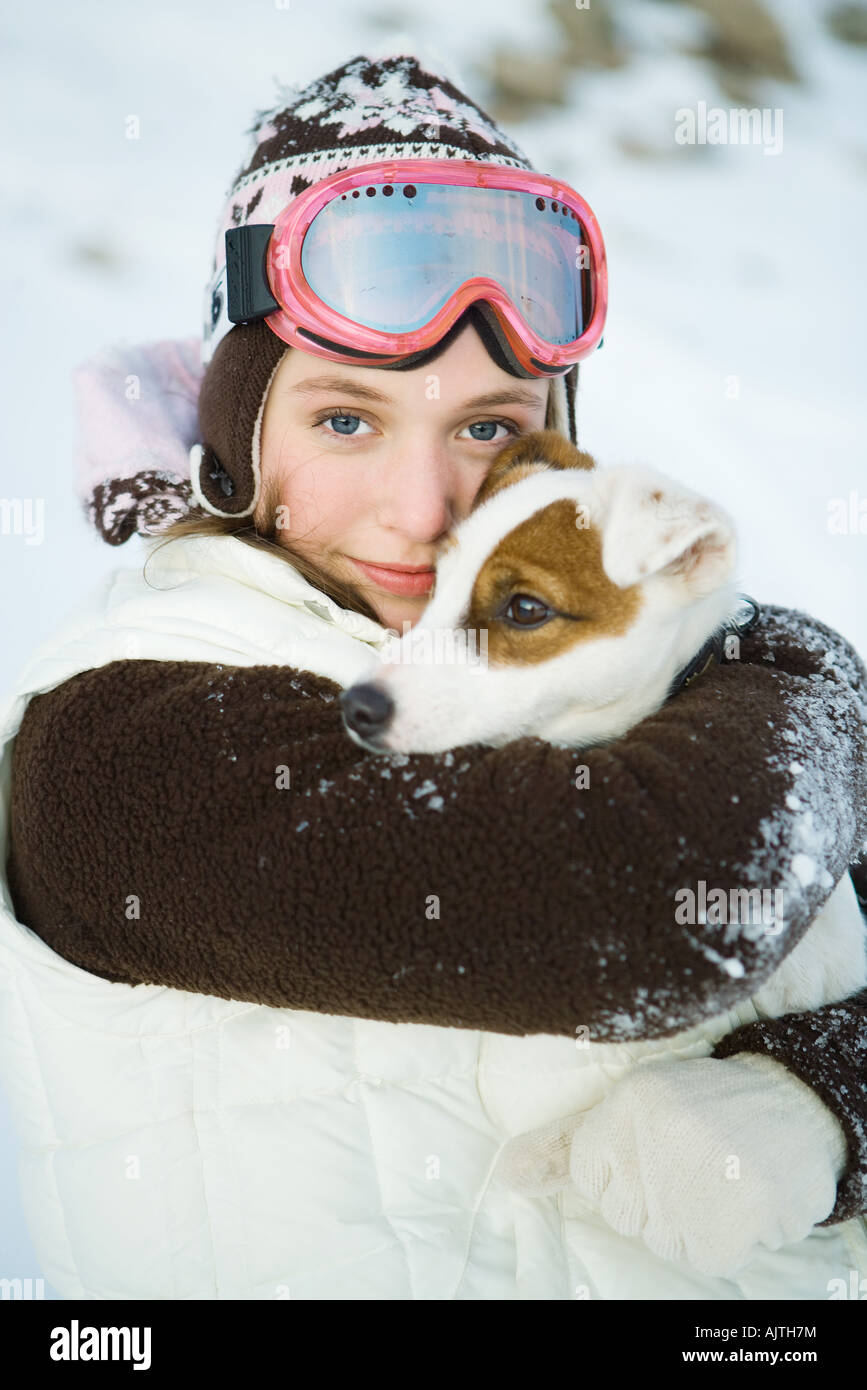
(391, 107)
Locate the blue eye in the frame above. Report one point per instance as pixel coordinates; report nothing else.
(344, 422)
(488, 429)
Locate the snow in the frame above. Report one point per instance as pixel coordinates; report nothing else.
(731, 966)
(811, 819)
(722, 364)
(804, 869)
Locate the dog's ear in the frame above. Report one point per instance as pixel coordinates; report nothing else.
(651, 525)
(539, 451)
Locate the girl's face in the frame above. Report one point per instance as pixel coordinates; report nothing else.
(373, 468)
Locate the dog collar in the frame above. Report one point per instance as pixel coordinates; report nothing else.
(744, 617)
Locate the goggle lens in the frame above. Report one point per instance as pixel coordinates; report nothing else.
(363, 251)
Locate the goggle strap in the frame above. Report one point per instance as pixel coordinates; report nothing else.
(248, 292)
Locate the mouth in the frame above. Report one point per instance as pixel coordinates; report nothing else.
(409, 581)
(370, 745)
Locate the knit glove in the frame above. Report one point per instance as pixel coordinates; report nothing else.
(705, 1159)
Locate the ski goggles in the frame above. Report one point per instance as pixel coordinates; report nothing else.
(374, 264)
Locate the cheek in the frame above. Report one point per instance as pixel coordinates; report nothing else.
(466, 486)
(320, 501)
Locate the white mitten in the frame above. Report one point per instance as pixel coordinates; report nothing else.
(704, 1158)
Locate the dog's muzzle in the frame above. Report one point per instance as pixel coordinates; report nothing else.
(367, 711)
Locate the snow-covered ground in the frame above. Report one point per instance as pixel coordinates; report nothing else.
(734, 353)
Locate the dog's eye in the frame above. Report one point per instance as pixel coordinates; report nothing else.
(523, 610)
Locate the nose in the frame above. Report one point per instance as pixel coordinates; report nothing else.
(418, 491)
(367, 710)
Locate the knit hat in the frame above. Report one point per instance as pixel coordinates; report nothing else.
(367, 109)
(161, 433)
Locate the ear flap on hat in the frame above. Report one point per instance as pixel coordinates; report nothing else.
(225, 473)
(210, 481)
(563, 414)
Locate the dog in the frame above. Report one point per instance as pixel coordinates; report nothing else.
(564, 606)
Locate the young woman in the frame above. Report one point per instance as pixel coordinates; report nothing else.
(271, 1009)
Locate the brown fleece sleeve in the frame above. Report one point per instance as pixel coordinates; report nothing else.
(213, 829)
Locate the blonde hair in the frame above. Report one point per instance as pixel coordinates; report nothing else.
(260, 530)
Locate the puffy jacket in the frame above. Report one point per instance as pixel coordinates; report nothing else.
(247, 1059)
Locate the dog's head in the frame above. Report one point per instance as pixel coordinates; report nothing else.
(563, 606)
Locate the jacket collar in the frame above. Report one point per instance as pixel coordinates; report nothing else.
(232, 558)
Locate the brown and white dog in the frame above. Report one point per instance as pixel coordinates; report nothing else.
(564, 605)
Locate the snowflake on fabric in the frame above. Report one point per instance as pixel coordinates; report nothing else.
(393, 102)
(146, 502)
(395, 95)
(286, 97)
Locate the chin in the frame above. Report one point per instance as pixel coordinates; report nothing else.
(395, 612)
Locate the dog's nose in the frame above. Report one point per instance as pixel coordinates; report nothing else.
(367, 710)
